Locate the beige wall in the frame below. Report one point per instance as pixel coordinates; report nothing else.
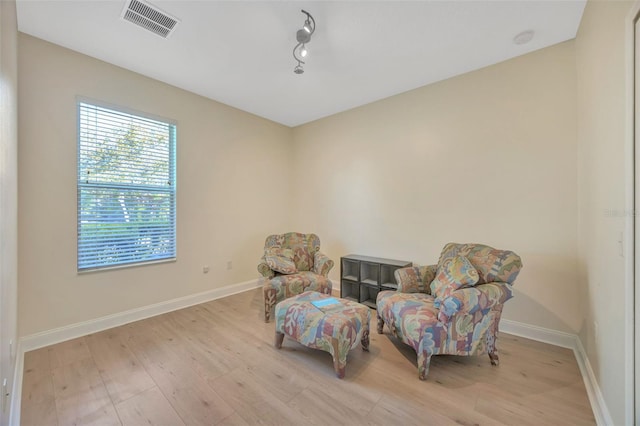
(489, 157)
(8, 193)
(600, 63)
(231, 194)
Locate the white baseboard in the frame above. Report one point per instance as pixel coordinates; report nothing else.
(570, 341)
(61, 334)
(539, 334)
(16, 391)
(600, 409)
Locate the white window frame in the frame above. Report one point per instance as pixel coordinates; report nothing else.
(84, 184)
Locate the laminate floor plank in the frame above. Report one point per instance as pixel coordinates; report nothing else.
(122, 373)
(425, 399)
(189, 394)
(38, 360)
(209, 355)
(252, 401)
(68, 352)
(148, 408)
(38, 398)
(80, 395)
(414, 410)
(318, 406)
(39, 414)
(216, 364)
(153, 346)
(235, 420)
(37, 385)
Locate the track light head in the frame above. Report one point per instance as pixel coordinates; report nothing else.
(303, 37)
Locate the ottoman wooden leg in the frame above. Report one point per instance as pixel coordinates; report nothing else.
(338, 366)
(279, 339)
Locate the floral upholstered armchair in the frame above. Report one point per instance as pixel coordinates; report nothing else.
(292, 264)
(453, 307)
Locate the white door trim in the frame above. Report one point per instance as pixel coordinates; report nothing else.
(632, 239)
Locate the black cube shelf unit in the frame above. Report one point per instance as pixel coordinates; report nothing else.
(362, 277)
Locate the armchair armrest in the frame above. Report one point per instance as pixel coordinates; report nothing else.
(265, 271)
(322, 264)
(472, 299)
(415, 279)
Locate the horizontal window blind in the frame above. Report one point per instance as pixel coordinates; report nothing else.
(126, 188)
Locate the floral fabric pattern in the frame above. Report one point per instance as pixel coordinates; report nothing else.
(304, 247)
(465, 321)
(335, 328)
(322, 264)
(415, 279)
(456, 272)
(312, 269)
(492, 264)
(280, 260)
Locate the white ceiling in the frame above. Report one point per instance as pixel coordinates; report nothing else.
(240, 52)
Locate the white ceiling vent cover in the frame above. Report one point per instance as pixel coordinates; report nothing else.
(149, 17)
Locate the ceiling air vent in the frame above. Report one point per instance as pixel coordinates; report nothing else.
(149, 17)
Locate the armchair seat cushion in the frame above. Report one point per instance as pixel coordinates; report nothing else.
(286, 286)
(408, 315)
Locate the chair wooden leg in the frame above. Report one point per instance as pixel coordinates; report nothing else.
(492, 337)
(491, 348)
(267, 311)
(493, 356)
(269, 303)
(380, 324)
(424, 360)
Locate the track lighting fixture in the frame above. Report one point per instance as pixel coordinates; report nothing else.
(303, 36)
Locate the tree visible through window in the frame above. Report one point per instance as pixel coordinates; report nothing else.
(126, 188)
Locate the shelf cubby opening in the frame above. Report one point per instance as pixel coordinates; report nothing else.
(368, 296)
(350, 269)
(387, 277)
(350, 290)
(369, 273)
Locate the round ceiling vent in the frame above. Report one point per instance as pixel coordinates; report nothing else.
(524, 37)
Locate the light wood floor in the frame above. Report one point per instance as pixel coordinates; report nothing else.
(215, 364)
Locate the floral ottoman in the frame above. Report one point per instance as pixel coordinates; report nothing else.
(320, 321)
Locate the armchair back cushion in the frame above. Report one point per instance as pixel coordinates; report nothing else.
(493, 265)
(304, 247)
(454, 273)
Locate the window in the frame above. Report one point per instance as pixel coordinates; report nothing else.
(126, 188)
